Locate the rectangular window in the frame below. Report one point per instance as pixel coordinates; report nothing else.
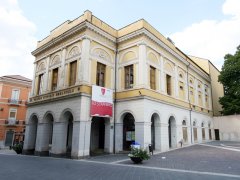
(128, 77)
(15, 94)
(152, 78)
(40, 84)
(12, 113)
(54, 79)
(73, 73)
(101, 68)
(168, 83)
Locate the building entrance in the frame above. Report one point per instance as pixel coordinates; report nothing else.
(128, 131)
(97, 136)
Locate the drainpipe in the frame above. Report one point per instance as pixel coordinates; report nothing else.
(190, 111)
(115, 100)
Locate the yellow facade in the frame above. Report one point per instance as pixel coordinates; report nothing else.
(138, 44)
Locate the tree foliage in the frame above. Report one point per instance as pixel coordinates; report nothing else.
(230, 78)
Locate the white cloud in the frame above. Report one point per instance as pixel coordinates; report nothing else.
(16, 40)
(212, 39)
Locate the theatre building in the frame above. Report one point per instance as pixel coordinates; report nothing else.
(155, 94)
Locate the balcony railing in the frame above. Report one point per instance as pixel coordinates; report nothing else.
(14, 101)
(11, 122)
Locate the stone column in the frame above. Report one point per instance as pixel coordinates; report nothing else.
(186, 88)
(34, 79)
(59, 138)
(62, 70)
(164, 137)
(162, 76)
(203, 96)
(81, 139)
(30, 138)
(108, 146)
(196, 92)
(176, 82)
(142, 70)
(118, 137)
(83, 70)
(46, 76)
(157, 136)
(143, 133)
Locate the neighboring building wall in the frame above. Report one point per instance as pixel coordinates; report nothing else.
(13, 104)
(228, 126)
(217, 87)
(217, 90)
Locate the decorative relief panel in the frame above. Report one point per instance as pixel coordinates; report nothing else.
(102, 54)
(75, 51)
(153, 58)
(55, 60)
(41, 66)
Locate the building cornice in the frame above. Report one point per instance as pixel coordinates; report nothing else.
(79, 27)
(145, 32)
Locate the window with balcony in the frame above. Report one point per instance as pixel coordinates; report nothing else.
(54, 79)
(152, 78)
(168, 84)
(128, 77)
(14, 97)
(101, 68)
(73, 73)
(40, 84)
(12, 117)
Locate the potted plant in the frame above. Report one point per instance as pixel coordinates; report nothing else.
(137, 155)
(17, 148)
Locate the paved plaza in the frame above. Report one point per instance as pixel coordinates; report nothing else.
(214, 160)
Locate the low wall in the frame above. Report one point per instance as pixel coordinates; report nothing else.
(229, 127)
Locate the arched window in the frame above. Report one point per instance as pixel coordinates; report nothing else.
(184, 123)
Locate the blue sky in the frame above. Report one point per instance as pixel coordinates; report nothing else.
(166, 16)
(204, 28)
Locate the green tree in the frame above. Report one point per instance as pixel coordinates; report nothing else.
(230, 78)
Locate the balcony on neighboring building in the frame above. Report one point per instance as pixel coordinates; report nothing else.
(14, 101)
(11, 122)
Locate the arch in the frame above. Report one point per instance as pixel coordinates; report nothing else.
(41, 66)
(127, 56)
(153, 57)
(168, 67)
(74, 51)
(55, 60)
(172, 132)
(184, 123)
(47, 116)
(102, 53)
(64, 116)
(191, 81)
(123, 113)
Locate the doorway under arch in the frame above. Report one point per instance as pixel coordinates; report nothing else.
(203, 132)
(155, 131)
(172, 132)
(128, 131)
(68, 119)
(184, 131)
(32, 135)
(97, 140)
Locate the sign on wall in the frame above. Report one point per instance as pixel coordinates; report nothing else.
(102, 101)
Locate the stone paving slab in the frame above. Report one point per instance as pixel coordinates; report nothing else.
(197, 158)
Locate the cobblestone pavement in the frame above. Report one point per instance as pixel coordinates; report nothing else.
(193, 162)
